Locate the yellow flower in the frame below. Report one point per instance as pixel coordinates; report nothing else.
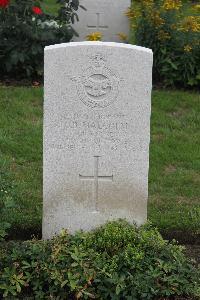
(163, 35)
(196, 7)
(187, 48)
(190, 23)
(172, 4)
(134, 26)
(156, 19)
(132, 13)
(122, 36)
(147, 3)
(94, 36)
(173, 26)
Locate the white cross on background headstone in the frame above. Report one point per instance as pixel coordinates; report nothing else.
(98, 25)
(96, 179)
(105, 16)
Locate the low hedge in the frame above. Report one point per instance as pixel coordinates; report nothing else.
(115, 261)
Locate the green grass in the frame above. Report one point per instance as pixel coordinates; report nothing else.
(174, 179)
(21, 157)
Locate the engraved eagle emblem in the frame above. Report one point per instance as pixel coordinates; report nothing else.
(97, 85)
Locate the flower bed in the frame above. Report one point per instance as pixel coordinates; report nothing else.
(173, 33)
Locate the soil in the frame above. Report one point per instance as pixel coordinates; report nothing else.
(193, 251)
(182, 236)
(21, 83)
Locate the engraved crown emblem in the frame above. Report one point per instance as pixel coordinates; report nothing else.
(98, 87)
(98, 59)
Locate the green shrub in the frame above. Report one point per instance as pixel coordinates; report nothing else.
(24, 32)
(116, 261)
(173, 33)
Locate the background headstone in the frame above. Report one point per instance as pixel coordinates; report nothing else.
(96, 134)
(105, 16)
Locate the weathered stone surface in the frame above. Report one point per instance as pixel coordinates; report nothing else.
(105, 16)
(96, 134)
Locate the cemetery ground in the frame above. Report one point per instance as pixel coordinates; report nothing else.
(174, 178)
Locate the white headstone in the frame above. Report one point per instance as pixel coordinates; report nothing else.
(96, 134)
(105, 16)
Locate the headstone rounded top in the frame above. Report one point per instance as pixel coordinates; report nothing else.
(98, 43)
(97, 105)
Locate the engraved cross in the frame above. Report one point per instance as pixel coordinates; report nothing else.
(96, 179)
(98, 25)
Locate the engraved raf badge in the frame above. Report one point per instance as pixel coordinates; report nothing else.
(98, 86)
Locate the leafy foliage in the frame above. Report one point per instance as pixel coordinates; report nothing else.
(116, 261)
(24, 32)
(173, 33)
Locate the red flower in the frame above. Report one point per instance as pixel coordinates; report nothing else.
(4, 3)
(36, 10)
